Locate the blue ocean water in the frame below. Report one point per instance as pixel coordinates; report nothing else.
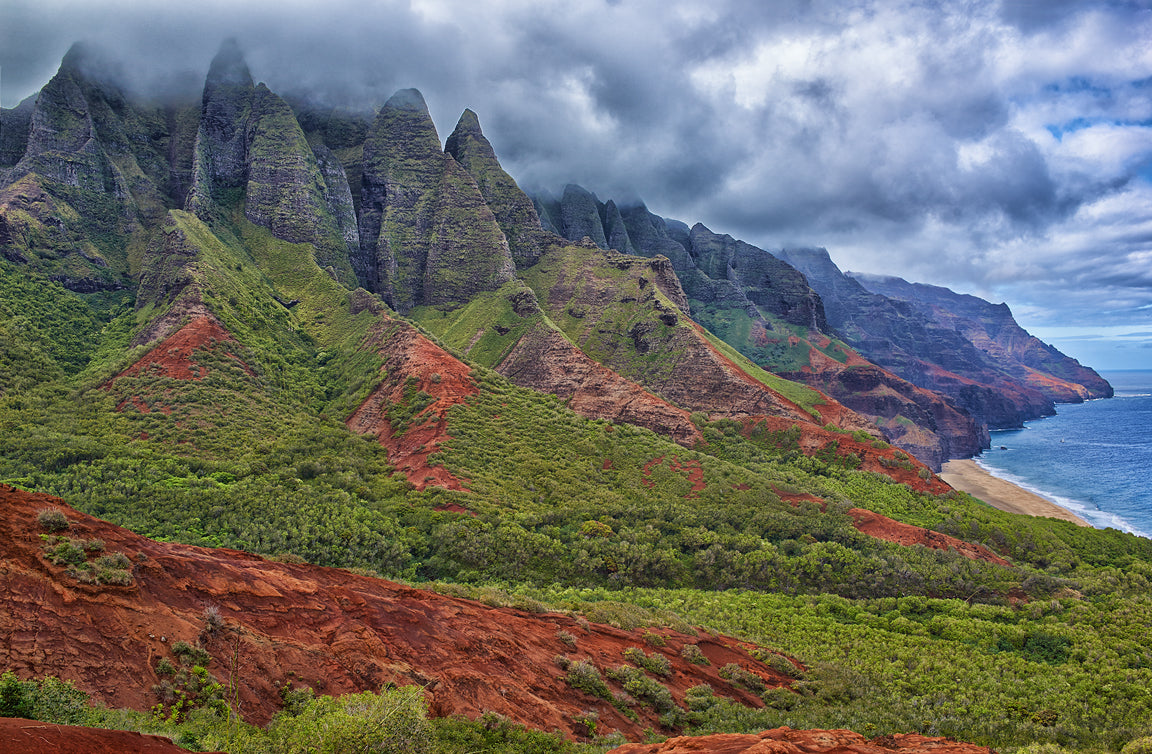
(1094, 458)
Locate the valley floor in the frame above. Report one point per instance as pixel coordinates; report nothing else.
(967, 476)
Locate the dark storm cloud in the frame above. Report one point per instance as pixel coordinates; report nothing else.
(979, 145)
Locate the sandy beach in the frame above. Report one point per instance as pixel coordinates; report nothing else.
(968, 477)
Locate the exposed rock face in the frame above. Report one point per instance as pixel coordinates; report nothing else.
(306, 625)
(99, 163)
(221, 156)
(765, 308)
(788, 741)
(62, 143)
(994, 331)
(46, 738)
(285, 190)
(580, 216)
(651, 236)
(15, 123)
(773, 287)
(615, 231)
(426, 233)
(914, 419)
(897, 336)
(338, 197)
(513, 209)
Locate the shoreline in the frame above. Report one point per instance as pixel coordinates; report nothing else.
(967, 476)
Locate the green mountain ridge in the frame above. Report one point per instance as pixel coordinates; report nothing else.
(304, 333)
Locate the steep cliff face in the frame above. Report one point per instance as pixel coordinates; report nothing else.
(426, 233)
(221, 152)
(993, 330)
(93, 169)
(15, 123)
(513, 209)
(765, 309)
(776, 289)
(930, 354)
(285, 190)
(580, 216)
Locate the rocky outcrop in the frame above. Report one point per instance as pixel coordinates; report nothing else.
(580, 216)
(651, 235)
(285, 190)
(513, 209)
(774, 288)
(62, 143)
(427, 236)
(898, 337)
(788, 741)
(993, 330)
(277, 623)
(914, 419)
(615, 230)
(15, 123)
(221, 151)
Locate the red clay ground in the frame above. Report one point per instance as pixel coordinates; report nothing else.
(173, 357)
(882, 527)
(692, 468)
(788, 741)
(25, 736)
(306, 625)
(408, 355)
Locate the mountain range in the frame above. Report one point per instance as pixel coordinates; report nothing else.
(268, 324)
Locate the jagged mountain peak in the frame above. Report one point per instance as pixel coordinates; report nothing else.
(408, 99)
(229, 66)
(469, 122)
(514, 211)
(467, 142)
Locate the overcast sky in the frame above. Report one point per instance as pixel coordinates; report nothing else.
(999, 148)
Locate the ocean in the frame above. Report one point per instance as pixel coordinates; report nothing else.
(1093, 458)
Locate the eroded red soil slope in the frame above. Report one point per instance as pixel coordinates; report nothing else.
(414, 365)
(173, 357)
(788, 741)
(880, 458)
(28, 736)
(305, 625)
(882, 527)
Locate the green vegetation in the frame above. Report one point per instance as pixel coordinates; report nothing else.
(598, 519)
(394, 721)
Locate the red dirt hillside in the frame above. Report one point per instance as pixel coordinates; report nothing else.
(24, 736)
(173, 357)
(882, 527)
(300, 624)
(788, 741)
(413, 364)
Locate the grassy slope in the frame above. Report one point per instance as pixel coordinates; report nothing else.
(263, 462)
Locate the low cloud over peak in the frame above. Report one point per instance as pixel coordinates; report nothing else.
(1002, 148)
